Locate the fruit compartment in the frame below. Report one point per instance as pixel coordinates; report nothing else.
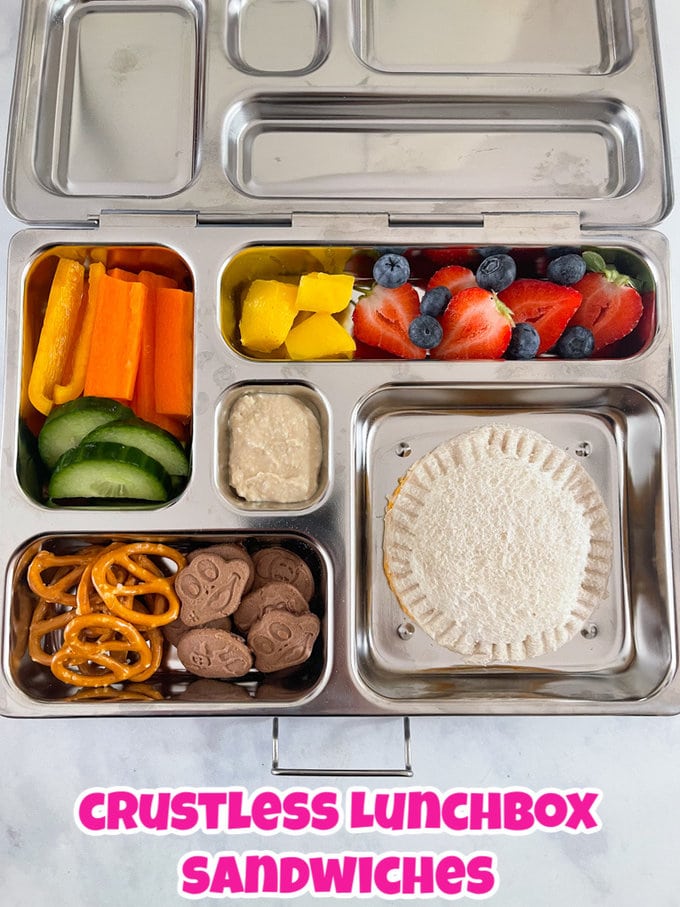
(284, 266)
(453, 37)
(626, 651)
(75, 338)
(278, 451)
(172, 687)
(113, 72)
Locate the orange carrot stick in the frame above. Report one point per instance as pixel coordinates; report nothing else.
(144, 399)
(116, 339)
(121, 274)
(173, 371)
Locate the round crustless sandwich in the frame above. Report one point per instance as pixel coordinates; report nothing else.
(498, 545)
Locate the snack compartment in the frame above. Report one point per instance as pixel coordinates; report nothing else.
(627, 649)
(95, 319)
(173, 686)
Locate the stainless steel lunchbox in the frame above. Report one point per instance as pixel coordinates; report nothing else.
(234, 132)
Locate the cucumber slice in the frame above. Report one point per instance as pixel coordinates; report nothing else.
(67, 425)
(108, 470)
(30, 468)
(150, 439)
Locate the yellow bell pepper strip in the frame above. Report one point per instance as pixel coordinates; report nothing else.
(57, 334)
(81, 347)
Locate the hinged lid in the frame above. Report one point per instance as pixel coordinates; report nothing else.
(238, 110)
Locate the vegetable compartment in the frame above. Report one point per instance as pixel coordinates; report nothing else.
(107, 377)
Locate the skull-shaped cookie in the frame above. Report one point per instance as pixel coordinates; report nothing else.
(227, 552)
(174, 631)
(279, 565)
(279, 596)
(280, 639)
(210, 587)
(214, 653)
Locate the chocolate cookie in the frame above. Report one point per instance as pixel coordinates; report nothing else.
(175, 631)
(214, 653)
(282, 566)
(228, 552)
(277, 596)
(210, 587)
(281, 640)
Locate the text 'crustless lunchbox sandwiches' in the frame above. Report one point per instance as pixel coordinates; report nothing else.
(339, 370)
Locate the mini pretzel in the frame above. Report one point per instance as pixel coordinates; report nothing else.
(45, 620)
(69, 570)
(141, 581)
(102, 652)
(88, 599)
(155, 639)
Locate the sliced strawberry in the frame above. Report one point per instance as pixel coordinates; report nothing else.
(476, 326)
(639, 337)
(455, 278)
(451, 255)
(381, 319)
(546, 305)
(611, 308)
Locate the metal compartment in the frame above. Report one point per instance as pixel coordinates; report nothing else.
(627, 651)
(346, 140)
(172, 683)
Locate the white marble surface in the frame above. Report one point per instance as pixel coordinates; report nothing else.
(45, 860)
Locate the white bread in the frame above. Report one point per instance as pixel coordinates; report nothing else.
(498, 544)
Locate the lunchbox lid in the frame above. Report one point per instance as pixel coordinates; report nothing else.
(256, 110)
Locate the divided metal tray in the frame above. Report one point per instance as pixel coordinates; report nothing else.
(212, 128)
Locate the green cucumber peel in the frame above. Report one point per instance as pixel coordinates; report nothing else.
(109, 470)
(152, 440)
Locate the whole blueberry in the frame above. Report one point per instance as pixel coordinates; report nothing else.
(524, 342)
(486, 251)
(575, 343)
(496, 272)
(566, 270)
(435, 301)
(426, 332)
(553, 252)
(391, 270)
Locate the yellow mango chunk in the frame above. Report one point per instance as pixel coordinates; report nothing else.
(319, 337)
(267, 314)
(320, 292)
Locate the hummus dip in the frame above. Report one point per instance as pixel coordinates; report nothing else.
(275, 448)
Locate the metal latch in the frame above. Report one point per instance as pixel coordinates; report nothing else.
(148, 220)
(405, 772)
(563, 227)
(330, 226)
